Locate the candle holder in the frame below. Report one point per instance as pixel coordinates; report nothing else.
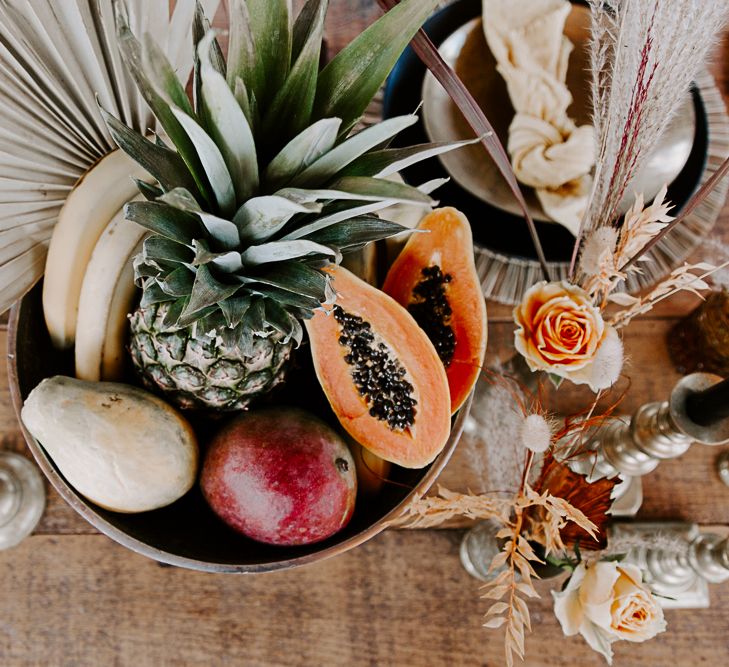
(22, 498)
(660, 430)
(722, 467)
(681, 564)
(478, 548)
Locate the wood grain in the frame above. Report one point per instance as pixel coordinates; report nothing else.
(401, 600)
(72, 598)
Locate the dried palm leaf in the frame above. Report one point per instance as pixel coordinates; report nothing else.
(56, 58)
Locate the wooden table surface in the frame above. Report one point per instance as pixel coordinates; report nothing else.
(70, 596)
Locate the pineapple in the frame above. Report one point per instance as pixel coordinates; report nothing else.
(265, 185)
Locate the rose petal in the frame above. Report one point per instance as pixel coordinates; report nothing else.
(559, 328)
(568, 610)
(596, 593)
(598, 640)
(567, 607)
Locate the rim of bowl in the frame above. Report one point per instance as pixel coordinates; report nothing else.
(100, 523)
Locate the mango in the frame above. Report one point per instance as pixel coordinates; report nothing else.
(117, 445)
(280, 476)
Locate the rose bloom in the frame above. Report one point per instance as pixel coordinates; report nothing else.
(560, 331)
(606, 602)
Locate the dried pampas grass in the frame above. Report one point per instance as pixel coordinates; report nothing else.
(644, 56)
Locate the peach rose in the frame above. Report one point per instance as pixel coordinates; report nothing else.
(561, 332)
(607, 602)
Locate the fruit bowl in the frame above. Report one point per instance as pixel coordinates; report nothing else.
(187, 533)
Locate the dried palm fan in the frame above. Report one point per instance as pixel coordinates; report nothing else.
(644, 56)
(55, 59)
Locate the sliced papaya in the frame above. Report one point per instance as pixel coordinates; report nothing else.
(380, 373)
(435, 278)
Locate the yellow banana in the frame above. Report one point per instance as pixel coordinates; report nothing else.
(94, 200)
(107, 296)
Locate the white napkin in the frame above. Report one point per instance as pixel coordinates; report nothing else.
(548, 151)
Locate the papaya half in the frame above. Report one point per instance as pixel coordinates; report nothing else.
(435, 278)
(380, 373)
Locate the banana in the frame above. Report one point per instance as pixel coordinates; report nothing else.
(107, 295)
(94, 200)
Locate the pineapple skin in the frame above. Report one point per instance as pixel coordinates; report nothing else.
(197, 372)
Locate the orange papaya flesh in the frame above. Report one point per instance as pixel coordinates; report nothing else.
(381, 374)
(435, 278)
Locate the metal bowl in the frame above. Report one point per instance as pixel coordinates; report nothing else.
(187, 533)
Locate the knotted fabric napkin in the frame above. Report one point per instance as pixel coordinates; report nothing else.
(549, 152)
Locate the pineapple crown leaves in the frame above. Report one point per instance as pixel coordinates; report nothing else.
(264, 183)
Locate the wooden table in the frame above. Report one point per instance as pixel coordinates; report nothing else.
(72, 597)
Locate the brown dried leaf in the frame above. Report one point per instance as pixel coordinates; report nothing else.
(515, 632)
(525, 569)
(585, 504)
(526, 550)
(522, 607)
(508, 654)
(498, 561)
(526, 588)
(503, 576)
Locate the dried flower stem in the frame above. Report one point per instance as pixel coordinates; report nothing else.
(517, 554)
(690, 207)
(679, 280)
(513, 612)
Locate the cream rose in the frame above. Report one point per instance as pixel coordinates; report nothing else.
(560, 331)
(606, 602)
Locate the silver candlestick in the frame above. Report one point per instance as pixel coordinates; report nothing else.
(722, 467)
(661, 430)
(681, 562)
(22, 498)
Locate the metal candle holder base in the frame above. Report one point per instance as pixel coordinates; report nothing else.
(680, 574)
(634, 447)
(22, 498)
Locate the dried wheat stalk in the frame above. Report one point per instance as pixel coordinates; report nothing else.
(431, 511)
(607, 251)
(683, 278)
